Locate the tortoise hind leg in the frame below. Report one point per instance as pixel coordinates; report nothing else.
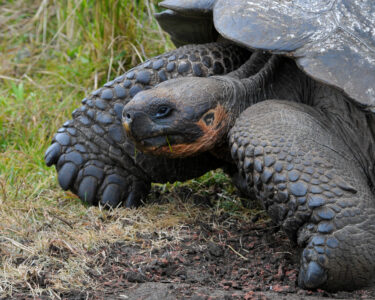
(311, 185)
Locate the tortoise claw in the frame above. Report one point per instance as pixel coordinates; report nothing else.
(87, 189)
(52, 154)
(111, 196)
(132, 200)
(67, 175)
(138, 191)
(313, 277)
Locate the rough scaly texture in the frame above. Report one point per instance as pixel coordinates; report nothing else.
(312, 185)
(94, 158)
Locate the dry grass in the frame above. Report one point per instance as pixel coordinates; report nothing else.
(53, 52)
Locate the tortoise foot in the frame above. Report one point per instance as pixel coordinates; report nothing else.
(93, 177)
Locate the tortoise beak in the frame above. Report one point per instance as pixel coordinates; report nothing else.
(127, 121)
(126, 125)
(137, 125)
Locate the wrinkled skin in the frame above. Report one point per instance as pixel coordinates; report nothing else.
(308, 156)
(94, 158)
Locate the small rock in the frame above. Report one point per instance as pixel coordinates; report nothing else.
(135, 277)
(215, 250)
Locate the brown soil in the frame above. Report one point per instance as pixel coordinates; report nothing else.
(221, 258)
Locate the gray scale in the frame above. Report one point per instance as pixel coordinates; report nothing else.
(72, 131)
(100, 104)
(325, 227)
(119, 79)
(197, 70)
(298, 189)
(315, 201)
(184, 67)
(325, 213)
(74, 157)
(258, 165)
(162, 75)
(107, 94)
(130, 75)
(120, 92)
(80, 148)
(92, 170)
(97, 129)
(63, 139)
(266, 176)
(293, 175)
(206, 60)
(97, 92)
(158, 64)
(127, 83)
(109, 84)
(143, 77)
(68, 123)
(103, 118)
(84, 120)
(171, 66)
(91, 114)
(135, 90)
(116, 133)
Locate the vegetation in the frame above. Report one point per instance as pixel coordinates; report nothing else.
(52, 53)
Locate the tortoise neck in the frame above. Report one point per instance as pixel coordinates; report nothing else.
(256, 87)
(252, 66)
(247, 85)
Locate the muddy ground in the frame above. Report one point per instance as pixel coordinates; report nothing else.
(222, 257)
(232, 261)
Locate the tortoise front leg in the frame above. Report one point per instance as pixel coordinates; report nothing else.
(94, 158)
(311, 184)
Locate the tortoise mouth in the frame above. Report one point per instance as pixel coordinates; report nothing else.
(159, 140)
(156, 136)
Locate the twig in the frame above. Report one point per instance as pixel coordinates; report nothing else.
(136, 51)
(18, 245)
(61, 219)
(239, 254)
(10, 78)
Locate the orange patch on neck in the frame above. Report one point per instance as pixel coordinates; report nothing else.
(213, 125)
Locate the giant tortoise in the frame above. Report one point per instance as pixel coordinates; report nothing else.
(93, 157)
(310, 158)
(297, 119)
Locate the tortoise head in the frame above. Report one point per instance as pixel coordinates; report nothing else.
(177, 118)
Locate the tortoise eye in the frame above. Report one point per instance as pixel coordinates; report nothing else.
(162, 112)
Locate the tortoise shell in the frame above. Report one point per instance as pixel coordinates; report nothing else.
(333, 41)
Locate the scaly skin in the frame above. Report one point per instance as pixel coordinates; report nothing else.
(93, 157)
(313, 186)
(309, 157)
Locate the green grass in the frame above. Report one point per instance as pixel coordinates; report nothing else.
(52, 53)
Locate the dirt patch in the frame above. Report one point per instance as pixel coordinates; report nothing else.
(223, 259)
(220, 257)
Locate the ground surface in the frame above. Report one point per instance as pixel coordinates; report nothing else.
(191, 240)
(219, 255)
